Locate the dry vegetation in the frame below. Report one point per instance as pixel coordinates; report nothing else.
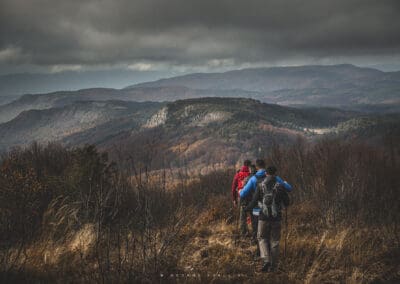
(74, 216)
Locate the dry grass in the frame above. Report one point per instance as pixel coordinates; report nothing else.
(102, 229)
(209, 251)
(313, 255)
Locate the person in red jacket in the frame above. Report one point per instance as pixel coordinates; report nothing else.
(239, 181)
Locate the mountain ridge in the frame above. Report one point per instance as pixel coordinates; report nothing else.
(202, 131)
(318, 85)
(349, 86)
(29, 124)
(333, 69)
(54, 124)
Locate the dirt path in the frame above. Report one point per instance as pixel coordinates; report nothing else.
(216, 253)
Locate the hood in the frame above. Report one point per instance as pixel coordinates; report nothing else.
(260, 173)
(245, 169)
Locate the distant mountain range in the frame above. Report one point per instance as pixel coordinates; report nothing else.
(202, 131)
(337, 85)
(39, 83)
(56, 123)
(343, 86)
(140, 94)
(59, 119)
(217, 117)
(6, 99)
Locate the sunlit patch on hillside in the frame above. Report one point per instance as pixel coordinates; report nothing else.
(318, 131)
(157, 119)
(217, 116)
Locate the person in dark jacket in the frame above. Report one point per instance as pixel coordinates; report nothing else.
(269, 227)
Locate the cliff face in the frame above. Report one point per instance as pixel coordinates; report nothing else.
(158, 119)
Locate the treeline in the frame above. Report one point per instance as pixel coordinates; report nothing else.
(350, 181)
(73, 214)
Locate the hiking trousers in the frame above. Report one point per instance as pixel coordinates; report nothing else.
(268, 236)
(243, 222)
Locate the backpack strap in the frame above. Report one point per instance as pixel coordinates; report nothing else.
(259, 180)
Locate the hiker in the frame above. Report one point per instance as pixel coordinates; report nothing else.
(253, 217)
(239, 181)
(253, 170)
(270, 215)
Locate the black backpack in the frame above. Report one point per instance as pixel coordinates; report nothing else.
(273, 197)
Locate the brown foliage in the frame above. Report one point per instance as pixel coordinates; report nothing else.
(75, 214)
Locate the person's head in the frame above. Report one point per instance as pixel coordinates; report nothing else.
(271, 170)
(247, 163)
(260, 164)
(253, 169)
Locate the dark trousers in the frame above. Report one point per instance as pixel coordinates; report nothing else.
(254, 226)
(243, 222)
(268, 236)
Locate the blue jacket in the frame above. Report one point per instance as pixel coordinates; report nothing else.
(251, 185)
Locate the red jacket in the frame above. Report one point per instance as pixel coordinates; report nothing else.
(239, 176)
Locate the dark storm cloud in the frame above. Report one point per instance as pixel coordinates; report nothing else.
(194, 32)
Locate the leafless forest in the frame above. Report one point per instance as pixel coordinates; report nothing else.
(73, 215)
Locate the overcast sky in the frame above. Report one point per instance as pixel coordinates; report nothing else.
(196, 35)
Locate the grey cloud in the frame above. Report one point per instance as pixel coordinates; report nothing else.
(192, 32)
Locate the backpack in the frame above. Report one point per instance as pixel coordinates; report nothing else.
(273, 197)
(242, 180)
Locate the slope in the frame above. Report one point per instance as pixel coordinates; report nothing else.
(59, 122)
(210, 132)
(155, 94)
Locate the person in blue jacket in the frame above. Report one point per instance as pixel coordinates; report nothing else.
(251, 185)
